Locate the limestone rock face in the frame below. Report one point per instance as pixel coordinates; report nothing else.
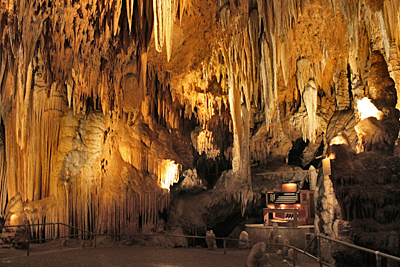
(343, 122)
(191, 182)
(366, 188)
(381, 86)
(14, 234)
(104, 105)
(377, 134)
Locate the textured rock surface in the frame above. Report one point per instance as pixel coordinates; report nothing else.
(381, 86)
(366, 188)
(103, 105)
(191, 182)
(257, 256)
(14, 234)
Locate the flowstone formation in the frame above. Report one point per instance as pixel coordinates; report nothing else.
(104, 105)
(366, 184)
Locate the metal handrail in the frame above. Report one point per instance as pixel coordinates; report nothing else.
(310, 243)
(378, 254)
(224, 239)
(73, 227)
(28, 241)
(317, 237)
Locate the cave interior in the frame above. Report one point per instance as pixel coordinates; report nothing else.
(125, 116)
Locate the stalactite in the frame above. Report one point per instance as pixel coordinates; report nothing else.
(270, 102)
(203, 142)
(308, 90)
(234, 96)
(310, 99)
(129, 12)
(164, 18)
(83, 55)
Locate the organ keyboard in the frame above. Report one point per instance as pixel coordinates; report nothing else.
(293, 208)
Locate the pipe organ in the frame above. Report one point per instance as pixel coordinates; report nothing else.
(290, 207)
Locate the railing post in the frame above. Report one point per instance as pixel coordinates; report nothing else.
(319, 250)
(27, 240)
(378, 259)
(224, 245)
(294, 257)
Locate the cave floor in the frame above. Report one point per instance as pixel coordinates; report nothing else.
(55, 255)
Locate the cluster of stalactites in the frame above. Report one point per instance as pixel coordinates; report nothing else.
(278, 19)
(32, 128)
(214, 104)
(96, 211)
(80, 43)
(211, 107)
(154, 162)
(169, 110)
(251, 57)
(380, 21)
(172, 107)
(203, 142)
(250, 71)
(165, 13)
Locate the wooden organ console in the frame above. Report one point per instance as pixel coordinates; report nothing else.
(290, 207)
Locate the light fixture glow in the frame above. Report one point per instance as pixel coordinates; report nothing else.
(366, 109)
(289, 187)
(170, 174)
(14, 219)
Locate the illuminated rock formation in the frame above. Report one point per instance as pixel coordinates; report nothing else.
(366, 184)
(104, 104)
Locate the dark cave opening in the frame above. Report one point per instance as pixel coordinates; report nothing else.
(211, 169)
(295, 154)
(2, 132)
(317, 160)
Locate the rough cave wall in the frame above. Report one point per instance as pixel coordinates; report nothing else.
(99, 99)
(366, 187)
(366, 183)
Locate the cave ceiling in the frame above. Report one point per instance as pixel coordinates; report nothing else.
(105, 100)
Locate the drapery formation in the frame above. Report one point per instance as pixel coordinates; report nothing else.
(98, 99)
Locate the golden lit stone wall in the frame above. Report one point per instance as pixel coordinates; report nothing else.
(100, 101)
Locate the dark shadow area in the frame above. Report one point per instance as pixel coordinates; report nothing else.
(296, 152)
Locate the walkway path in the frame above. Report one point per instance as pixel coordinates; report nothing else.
(125, 256)
(45, 255)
